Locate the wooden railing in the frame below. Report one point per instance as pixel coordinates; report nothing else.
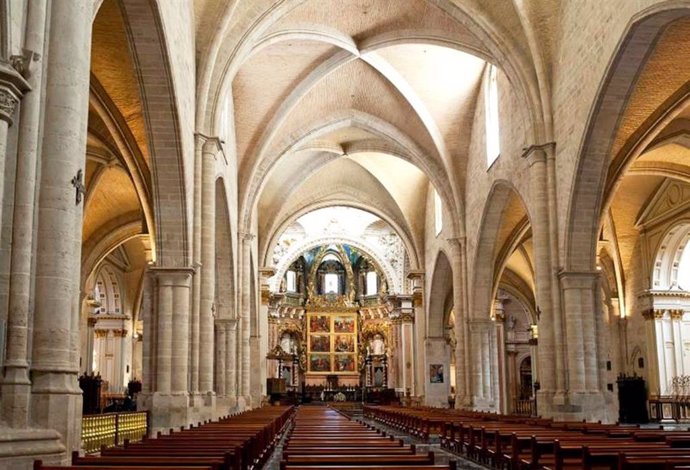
(524, 407)
(112, 429)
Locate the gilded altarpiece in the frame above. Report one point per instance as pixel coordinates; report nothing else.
(332, 346)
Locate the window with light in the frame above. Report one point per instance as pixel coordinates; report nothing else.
(493, 145)
(291, 281)
(438, 213)
(372, 283)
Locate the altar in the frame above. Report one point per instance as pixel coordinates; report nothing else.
(328, 330)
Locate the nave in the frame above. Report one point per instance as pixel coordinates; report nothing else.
(319, 437)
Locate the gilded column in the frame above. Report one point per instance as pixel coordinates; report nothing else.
(56, 396)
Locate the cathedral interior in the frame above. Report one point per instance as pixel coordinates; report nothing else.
(212, 208)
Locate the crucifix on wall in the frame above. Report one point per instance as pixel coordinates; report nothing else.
(79, 186)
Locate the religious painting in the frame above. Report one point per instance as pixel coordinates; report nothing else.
(344, 363)
(319, 363)
(320, 343)
(319, 324)
(344, 343)
(344, 324)
(436, 373)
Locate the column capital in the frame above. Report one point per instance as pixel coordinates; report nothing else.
(12, 88)
(246, 236)
(578, 279)
(210, 144)
(173, 276)
(536, 153)
(227, 322)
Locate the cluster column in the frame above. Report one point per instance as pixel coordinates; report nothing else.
(16, 387)
(462, 382)
(56, 395)
(581, 301)
(170, 318)
(552, 370)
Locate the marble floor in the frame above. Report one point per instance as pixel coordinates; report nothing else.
(442, 456)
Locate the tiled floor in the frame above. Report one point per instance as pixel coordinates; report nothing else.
(442, 456)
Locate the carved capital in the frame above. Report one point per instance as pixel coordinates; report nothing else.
(537, 153)
(676, 314)
(246, 236)
(648, 314)
(12, 88)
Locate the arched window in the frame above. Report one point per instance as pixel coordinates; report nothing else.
(291, 281)
(493, 144)
(331, 284)
(438, 213)
(684, 269)
(372, 283)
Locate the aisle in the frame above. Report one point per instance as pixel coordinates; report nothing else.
(442, 457)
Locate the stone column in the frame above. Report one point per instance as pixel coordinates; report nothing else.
(550, 328)
(461, 386)
(12, 88)
(149, 345)
(245, 306)
(231, 359)
(513, 381)
(180, 281)
(579, 300)
(221, 355)
(676, 316)
(196, 282)
(500, 383)
(208, 264)
(652, 354)
(90, 324)
(169, 400)
(16, 387)
(56, 399)
(164, 326)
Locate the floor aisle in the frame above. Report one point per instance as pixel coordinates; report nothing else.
(442, 456)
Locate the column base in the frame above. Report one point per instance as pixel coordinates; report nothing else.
(16, 397)
(20, 447)
(167, 411)
(576, 406)
(56, 403)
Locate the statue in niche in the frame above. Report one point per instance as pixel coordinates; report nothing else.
(510, 323)
(287, 343)
(377, 346)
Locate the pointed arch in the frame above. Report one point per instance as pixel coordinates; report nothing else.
(589, 179)
(440, 292)
(495, 231)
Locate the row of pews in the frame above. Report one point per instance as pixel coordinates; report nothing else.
(240, 442)
(518, 443)
(323, 439)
